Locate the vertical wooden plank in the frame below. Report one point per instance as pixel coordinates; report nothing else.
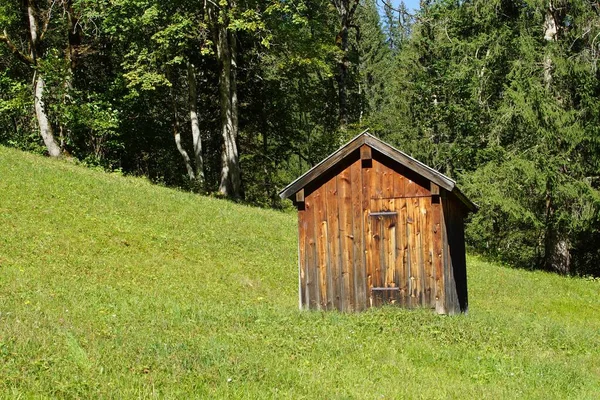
(360, 301)
(366, 175)
(387, 182)
(422, 190)
(376, 256)
(377, 180)
(408, 257)
(421, 252)
(365, 153)
(311, 275)
(401, 253)
(390, 273)
(376, 250)
(316, 269)
(413, 212)
(391, 240)
(410, 188)
(303, 304)
(417, 251)
(428, 253)
(437, 218)
(445, 256)
(322, 257)
(390, 205)
(346, 238)
(448, 307)
(370, 226)
(333, 230)
(399, 181)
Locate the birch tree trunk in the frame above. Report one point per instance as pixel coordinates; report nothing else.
(42, 118)
(197, 140)
(177, 136)
(39, 86)
(230, 182)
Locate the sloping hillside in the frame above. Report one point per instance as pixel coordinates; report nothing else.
(111, 287)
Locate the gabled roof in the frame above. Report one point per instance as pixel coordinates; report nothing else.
(367, 139)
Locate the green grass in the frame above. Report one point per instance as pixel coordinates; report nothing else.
(113, 288)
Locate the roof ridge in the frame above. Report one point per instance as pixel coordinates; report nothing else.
(365, 138)
(422, 164)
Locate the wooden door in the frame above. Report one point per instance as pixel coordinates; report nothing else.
(385, 281)
(399, 252)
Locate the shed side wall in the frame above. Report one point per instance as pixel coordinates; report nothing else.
(455, 264)
(302, 226)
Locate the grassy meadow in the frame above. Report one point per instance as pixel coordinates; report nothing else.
(111, 287)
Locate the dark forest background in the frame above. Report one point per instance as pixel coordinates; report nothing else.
(239, 97)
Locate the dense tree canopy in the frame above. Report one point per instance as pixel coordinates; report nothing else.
(238, 97)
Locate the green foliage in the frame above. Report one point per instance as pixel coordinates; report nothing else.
(375, 60)
(481, 95)
(510, 223)
(15, 104)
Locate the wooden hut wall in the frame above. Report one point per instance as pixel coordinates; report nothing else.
(331, 272)
(455, 264)
(373, 224)
(404, 237)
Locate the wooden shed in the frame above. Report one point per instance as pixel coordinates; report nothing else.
(375, 227)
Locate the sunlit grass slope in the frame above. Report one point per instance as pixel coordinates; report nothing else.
(113, 288)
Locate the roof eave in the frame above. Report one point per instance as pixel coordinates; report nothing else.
(336, 156)
(411, 163)
(473, 207)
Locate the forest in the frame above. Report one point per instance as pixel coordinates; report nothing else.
(236, 98)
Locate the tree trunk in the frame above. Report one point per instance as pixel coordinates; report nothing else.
(557, 256)
(551, 34)
(197, 140)
(72, 52)
(346, 10)
(184, 154)
(234, 92)
(230, 184)
(33, 29)
(38, 99)
(75, 35)
(342, 77)
(177, 136)
(42, 118)
(550, 25)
